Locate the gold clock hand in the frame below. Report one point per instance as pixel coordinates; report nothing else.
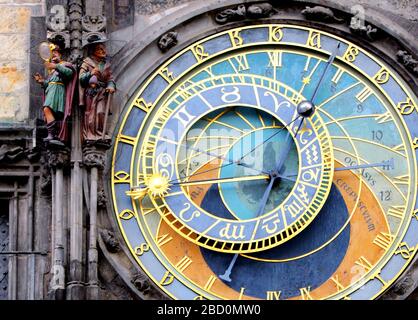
(223, 180)
(159, 185)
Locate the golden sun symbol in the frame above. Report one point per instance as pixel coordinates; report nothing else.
(157, 185)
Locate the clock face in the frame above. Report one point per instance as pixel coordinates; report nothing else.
(269, 162)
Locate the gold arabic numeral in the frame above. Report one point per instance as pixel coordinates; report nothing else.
(396, 211)
(407, 107)
(346, 298)
(275, 59)
(164, 239)
(236, 232)
(415, 214)
(122, 177)
(236, 39)
(364, 94)
(351, 54)
(383, 240)
(167, 279)
(210, 282)
(241, 63)
(198, 298)
(199, 52)
(405, 250)
(127, 139)
(337, 282)
(415, 143)
(241, 293)
(337, 76)
(275, 34)
(140, 103)
(126, 214)
(382, 76)
(141, 249)
(167, 75)
(314, 39)
(184, 263)
(306, 293)
(273, 295)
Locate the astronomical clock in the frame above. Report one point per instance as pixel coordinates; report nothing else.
(269, 161)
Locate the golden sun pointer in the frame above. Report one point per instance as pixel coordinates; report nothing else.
(157, 185)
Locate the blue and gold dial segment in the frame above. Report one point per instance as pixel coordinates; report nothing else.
(235, 90)
(232, 133)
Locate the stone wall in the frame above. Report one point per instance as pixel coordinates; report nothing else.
(15, 43)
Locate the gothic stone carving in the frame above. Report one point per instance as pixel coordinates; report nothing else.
(358, 27)
(110, 241)
(94, 155)
(255, 11)
(101, 199)
(94, 23)
(10, 153)
(408, 61)
(261, 10)
(141, 282)
(230, 15)
(58, 157)
(58, 22)
(321, 14)
(167, 41)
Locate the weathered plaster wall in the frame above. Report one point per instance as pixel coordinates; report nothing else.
(15, 29)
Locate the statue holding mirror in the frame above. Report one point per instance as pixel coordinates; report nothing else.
(58, 85)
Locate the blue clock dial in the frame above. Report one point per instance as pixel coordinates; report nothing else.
(225, 186)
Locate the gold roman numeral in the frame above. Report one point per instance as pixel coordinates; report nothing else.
(337, 76)
(383, 240)
(337, 282)
(364, 94)
(273, 295)
(386, 117)
(210, 282)
(241, 61)
(306, 293)
(183, 264)
(396, 211)
(164, 239)
(275, 59)
(127, 139)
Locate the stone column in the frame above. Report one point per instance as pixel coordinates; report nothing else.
(94, 159)
(76, 288)
(58, 159)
